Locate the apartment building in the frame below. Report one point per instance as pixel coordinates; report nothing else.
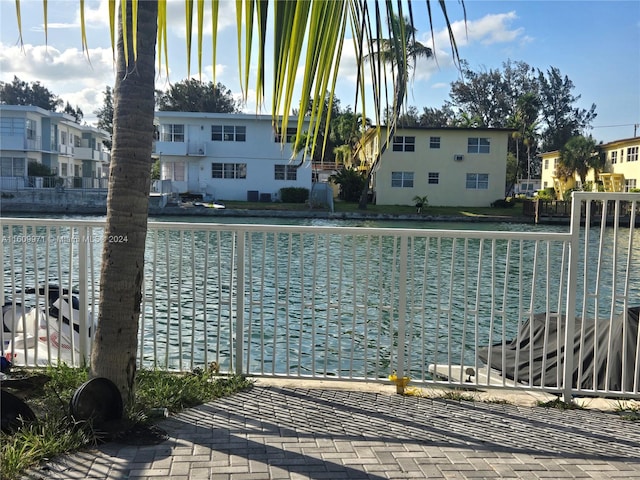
(621, 171)
(451, 166)
(227, 156)
(74, 154)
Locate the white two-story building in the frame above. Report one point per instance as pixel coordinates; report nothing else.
(74, 154)
(225, 156)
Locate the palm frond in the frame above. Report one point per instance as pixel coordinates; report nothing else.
(308, 41)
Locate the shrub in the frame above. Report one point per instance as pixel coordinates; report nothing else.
(351, 182)
(294, 194)
(420, 202)
(503, 203)
(547, 194)
(35, 169)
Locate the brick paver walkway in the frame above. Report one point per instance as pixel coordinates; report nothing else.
(292, 433)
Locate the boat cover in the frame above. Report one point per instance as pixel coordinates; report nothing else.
(536, 356)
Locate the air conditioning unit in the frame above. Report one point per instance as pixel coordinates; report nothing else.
(458, 157)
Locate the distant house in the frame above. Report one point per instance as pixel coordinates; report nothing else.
(621, 172)
(74, 154)
(527, 186)
(451, 166)
(225, 156)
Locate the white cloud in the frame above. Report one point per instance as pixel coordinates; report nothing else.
(488, 30)
(176, 17)
(67, 73)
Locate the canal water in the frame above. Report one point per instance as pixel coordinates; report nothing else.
(184, 327)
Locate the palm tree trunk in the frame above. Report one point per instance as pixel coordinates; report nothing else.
(115, 347)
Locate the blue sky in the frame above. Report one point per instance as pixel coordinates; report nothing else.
(595, 43)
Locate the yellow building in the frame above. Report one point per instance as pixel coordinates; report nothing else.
(621, 172)
(451, 166)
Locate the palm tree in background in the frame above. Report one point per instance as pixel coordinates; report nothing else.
(308, 34)
(390, 50)
(399, 53)
(578, 156)
(527, 110)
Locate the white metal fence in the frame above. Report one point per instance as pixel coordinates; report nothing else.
(359, 303)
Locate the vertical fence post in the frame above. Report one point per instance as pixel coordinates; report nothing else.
(83, 285)
(401, 368)
(5, 238)
(572, 285)
(240, 252)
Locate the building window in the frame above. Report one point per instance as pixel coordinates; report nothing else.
(546, 164)
(477, 145)
(614, 157)
(31, 129)
(632, 154)
(12, 167)
(630, 183)
(63, 138)
(404, 144)
(228, 133)
(54, 138)
(172, 133)
(174, 171)
(290, 138)
(229, 170)
(434, 142)
(477, 181)
(402, 179)
(434, 178)
(286, 172)
(64, 169)
(10, 126)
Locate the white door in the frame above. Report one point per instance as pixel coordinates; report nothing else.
(193, 177)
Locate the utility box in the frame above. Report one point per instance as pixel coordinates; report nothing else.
(252, 195)
(265, 197)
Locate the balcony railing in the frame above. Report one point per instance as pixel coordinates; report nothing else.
(12, 184)
(360, 303)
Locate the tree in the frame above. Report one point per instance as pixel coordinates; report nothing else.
(322, 29)
(464, 120)
(388, 49)
(320, 142)
(562, 120)
(579, 155)
(537, 105)
(436, 117)
(410, 117)
(399, 52)
(192, 95)
(351, 183)
(525, 123)
(105, 114)
(74, 112)
(421, 201)
(22, 93)
(115, 347)
(492, 96)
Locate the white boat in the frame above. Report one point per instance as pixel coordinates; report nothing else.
(48, 333)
